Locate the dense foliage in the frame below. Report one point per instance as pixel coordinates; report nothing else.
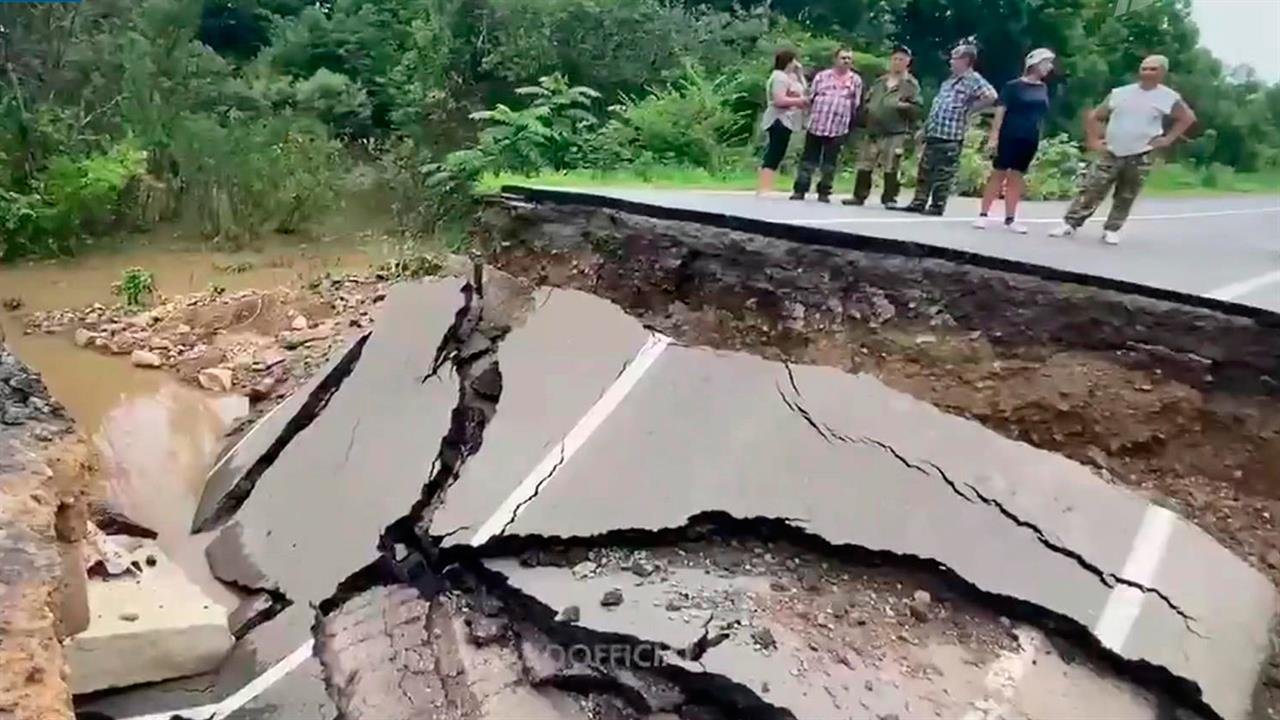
(247, 115)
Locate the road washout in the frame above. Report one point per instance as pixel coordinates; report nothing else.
(482, 386)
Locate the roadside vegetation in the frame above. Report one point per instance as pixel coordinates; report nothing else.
(245, 117)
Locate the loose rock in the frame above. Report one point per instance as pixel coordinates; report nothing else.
(145, 358)
(299, 323)
(570, 614)
(920, 605)
(216, 379)
(84, 337)
(612, 598)
(584, 569)
(763, 638)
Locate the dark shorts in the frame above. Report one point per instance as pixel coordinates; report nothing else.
(776, 148)
(1015, 153)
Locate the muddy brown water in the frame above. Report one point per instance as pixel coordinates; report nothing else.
(156, 436)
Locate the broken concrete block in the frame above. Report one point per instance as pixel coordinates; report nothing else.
(215, 379)
(153, 627)
(145, 358)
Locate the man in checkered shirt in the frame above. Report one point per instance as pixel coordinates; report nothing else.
(834, 97)
(961, 95)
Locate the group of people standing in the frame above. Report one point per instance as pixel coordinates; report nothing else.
(889, 113)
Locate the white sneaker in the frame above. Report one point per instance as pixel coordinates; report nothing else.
(1016, 227)
(1063, 230)
(980, 223)
(1111, 237)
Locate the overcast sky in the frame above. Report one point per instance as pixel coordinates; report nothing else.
(1242, 31)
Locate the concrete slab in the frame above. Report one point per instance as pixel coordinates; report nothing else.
(159, 623)
(362, 463)
(710, 431)
(554, 367)
(252, 655)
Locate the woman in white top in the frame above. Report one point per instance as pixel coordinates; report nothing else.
(783, 114)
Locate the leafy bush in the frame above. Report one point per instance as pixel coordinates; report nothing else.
(688, 123)
(135, 284)
(69, 197)
(547, 134)
(1056, 171)
(336, 100)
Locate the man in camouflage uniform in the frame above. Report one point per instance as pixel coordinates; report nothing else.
(892, 106)
(961, 95)
(1134, 116)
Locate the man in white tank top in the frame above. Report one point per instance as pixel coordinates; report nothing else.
(1134, 116)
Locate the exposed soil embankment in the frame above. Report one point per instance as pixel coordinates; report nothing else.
(46, 485)
(1178, 401)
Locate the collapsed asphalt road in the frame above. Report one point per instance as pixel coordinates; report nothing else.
(504, 502)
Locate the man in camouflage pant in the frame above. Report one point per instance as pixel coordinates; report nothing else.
(1134, 116)
(891, 109)
(961, 95)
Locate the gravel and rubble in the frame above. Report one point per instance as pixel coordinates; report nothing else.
(254, 342)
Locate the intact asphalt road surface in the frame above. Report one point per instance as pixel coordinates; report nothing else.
(1226, 247)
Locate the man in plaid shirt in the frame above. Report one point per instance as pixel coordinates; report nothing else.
(834, 98)
(961, 95)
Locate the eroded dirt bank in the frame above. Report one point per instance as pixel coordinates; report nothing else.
(46, 485)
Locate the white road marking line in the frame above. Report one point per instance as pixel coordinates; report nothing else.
(261, 421)
(1003, 677)
(1125, 602)
(254, 688)
(1244, 287)
(574, 439)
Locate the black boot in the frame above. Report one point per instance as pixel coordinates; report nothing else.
(889, 198)
(861, 187)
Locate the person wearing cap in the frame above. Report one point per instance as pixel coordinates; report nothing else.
(891, 110)
(960, 95)
(833, 99)
(1015, 136)
(1134, 116)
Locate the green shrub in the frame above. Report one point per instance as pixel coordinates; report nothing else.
(135, 287)
(549, 133)
(689, 123)
(69, 197)
(1056, 172)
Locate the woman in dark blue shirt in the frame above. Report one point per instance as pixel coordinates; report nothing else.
(1015, 133)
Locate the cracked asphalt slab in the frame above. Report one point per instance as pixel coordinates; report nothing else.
(566, 457)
